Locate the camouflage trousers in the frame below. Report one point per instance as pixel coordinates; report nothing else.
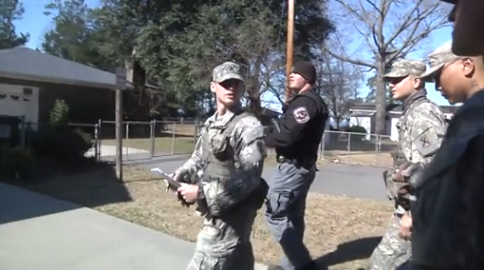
(225, 244)
(392, 252)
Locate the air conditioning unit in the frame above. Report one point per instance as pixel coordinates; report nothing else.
(28, 91)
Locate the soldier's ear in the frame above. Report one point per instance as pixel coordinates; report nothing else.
(468, 67)
(213, 86)
(417, 82)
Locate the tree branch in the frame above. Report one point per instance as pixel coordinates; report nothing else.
(349, 60)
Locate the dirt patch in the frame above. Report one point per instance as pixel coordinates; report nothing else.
(339, 231)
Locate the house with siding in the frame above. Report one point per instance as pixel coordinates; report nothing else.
(364, 115)
(31, 81)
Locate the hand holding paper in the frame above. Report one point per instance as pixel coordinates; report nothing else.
(170, 181)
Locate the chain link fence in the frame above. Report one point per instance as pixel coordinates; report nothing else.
(357, 148)
(149, 139)
(146, 140)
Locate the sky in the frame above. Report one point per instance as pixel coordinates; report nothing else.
(37, 24)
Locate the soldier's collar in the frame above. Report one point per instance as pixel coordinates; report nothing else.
(222, 120)
(422, 93)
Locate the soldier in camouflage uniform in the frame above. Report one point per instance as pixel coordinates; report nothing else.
(227, 165)
(448, 229)
(421, 129)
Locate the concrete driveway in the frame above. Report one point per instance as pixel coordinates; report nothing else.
(38, 232)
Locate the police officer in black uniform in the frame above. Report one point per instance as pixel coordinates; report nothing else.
(296, 140)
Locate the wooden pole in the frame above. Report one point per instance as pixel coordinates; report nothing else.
(290, 46)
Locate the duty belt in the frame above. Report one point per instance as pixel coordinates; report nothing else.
(294, 161)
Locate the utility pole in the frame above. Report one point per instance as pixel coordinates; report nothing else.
(289, 47)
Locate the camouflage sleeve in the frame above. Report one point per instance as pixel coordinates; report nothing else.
(194, 163)
(247, 141)
(427, 133)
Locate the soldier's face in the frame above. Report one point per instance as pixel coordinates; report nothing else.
(468, 34)
(228, 92)
(453, 80)
(296, 81)
(401, 87)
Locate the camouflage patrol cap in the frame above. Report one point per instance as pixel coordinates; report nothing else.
(406, 67)
(227, 71)
(438, 58)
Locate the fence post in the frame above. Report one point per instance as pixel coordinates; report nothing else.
(127, 138)
(152, 137)
(377, 142)
(96, 142)
(348, 147)
(323, 142)
(173, 139)
(195, 135)
(22, 133)
(99, 124)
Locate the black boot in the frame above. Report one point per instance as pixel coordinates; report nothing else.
(310, 266)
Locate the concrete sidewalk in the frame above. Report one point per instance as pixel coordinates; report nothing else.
(42, 233)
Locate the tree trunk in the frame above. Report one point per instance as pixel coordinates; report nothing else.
(380, 98)
(254, 89)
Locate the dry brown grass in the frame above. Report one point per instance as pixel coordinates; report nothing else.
(379, 159)
(341, 231)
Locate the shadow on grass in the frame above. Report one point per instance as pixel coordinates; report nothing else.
(86, 183)
(349, 251)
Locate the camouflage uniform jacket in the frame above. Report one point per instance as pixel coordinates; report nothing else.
(421, 130)
(227, 233)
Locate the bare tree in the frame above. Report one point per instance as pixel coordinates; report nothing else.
(338, 84)
(381, 32)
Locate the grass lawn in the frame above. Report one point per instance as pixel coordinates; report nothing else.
(340, 231)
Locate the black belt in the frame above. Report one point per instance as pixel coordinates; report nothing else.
(294, 161)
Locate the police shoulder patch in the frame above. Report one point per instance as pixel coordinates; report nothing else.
(301, 115)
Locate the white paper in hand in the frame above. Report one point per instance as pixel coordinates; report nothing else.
(172, 182)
